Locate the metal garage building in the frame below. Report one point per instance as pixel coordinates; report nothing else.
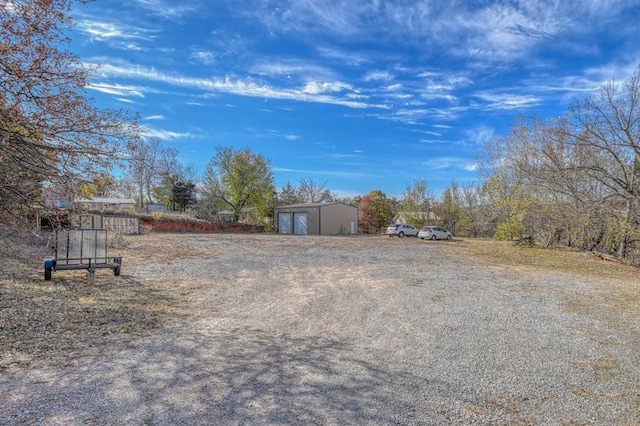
(316, 219)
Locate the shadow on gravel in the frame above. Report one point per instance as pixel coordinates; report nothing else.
(206, 377)
(249, 376)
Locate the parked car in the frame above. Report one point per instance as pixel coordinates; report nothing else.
(434, 233)
(401, 230)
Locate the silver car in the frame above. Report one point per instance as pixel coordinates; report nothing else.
(401, 230)
(434, 233)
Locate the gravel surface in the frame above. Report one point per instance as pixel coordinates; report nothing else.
(346, 330)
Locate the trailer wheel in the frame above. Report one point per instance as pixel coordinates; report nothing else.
(47, 274)
(116, 271)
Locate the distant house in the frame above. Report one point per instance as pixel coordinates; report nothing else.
(229, 216)
(404, 217)
(104, 203)
(316, 219)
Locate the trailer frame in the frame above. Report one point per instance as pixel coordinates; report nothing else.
(81, 249)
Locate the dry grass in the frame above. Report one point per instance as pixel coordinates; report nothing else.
(58, 320)
(620, 283)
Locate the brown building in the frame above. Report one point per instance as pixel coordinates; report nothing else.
(316, 219)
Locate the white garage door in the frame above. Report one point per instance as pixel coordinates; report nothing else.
(300, 223)
(284, 223)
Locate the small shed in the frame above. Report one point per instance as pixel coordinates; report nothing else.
(316, 219)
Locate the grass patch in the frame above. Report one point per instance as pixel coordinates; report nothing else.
(58, 320)
(620, 283)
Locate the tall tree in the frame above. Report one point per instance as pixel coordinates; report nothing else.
(184, 195)
(238, 180)
(287, 195)
(374, 212)
(168, 172)
(311, 190)
(50, 133)
(416, 203)
(607, 126)
(142, 172)
(451, 207)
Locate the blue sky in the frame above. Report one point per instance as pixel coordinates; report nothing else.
(360, 94)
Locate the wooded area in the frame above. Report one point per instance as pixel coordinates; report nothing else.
(570, 181)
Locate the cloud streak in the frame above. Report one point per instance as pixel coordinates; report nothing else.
(319, 92)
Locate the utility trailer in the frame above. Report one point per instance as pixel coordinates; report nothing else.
(81, 249)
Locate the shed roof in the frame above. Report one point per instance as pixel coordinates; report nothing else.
(104, 200)
(289, 206)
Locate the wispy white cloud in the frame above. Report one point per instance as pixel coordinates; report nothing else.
(118, 89)
(334, 173)
(295, 69)
(168, 9)
(318, 93)
(477, 136)
(203, 57)
(348, 57)
(117, 35)
(420, 116)
(487, 31)
(154, 117)
(446, 163)
(378, 76)
(271, 134)
(164, 134)
(315, 88)
(505, 101)
(433, 141)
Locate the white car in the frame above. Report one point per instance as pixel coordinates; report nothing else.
(401, 230)
(434, 233)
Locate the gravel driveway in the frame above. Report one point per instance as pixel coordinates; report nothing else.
(346, 330)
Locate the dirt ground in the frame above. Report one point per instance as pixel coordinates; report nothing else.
(272, 329)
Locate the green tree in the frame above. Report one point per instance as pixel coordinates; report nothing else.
(416, 203)
(287, 195)
(451, 207)
(168, 172)
(184, 195)
(238, 181)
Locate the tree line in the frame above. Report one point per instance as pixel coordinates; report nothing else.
(571, 181)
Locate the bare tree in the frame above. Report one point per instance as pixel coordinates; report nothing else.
(50, 134)
(142, 172)
(607, 127)
(313, 191)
